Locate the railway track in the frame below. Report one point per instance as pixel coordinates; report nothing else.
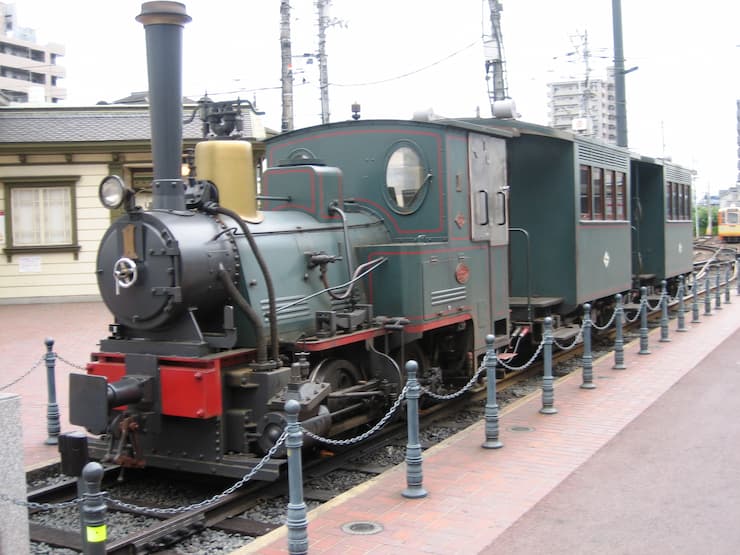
(159, 531)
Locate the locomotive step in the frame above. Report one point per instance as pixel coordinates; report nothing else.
(536, 302)
(565, 333)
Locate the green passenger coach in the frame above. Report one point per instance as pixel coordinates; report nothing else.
(662, 246)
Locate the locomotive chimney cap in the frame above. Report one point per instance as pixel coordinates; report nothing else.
(163, 12)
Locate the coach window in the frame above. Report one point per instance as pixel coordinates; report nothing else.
(609, 195)
(621, 180)
(687, 202)
(597, 193)
(40, 216)
(406, 178)
(585, 192)
(676, 202)
(668, 200)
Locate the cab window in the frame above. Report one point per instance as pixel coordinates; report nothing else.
(405, 178)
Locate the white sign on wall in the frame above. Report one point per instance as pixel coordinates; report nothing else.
(29, 264)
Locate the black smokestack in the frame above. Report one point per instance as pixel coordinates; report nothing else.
(163, 23)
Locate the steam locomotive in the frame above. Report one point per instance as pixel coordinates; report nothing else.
(369, 243)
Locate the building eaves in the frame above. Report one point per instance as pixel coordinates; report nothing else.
(43, 125)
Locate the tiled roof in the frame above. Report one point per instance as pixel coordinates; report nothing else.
(91, 124)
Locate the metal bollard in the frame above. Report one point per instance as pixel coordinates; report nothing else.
(717, 289)
(588, 358)
(548, 392)
(728, 274)
(619, 337)
(491, 412)
(414, 489)
(664, 312)
(296, 521)
(707, 295)
(644, 350)
(681, 307)
(92, 511)
(695, 301)
(52, 408)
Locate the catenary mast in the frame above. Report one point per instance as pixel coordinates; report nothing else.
(493, 46)
(620, 95)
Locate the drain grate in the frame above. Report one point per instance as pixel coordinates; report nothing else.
(362, 528)
(521, 429)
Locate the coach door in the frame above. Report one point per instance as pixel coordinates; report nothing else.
(489, 216)
(488, 191)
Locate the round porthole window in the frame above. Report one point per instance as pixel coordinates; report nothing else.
(301, 155)
(405, 178)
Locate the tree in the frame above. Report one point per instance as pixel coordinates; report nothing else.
(701, 212)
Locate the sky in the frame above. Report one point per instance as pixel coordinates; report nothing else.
(397, 57)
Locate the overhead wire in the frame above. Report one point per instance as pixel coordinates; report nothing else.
(407, 74)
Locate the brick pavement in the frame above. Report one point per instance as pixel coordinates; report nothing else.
(76, 329)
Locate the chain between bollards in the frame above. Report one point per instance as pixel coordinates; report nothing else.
(297, 520)
(93, 510)
(414, 475)
(644, 350)
(491, 412)
(664, 312)
(588, 358)
(548, 391)
(52, 408)
(619, 335)
(681, 307)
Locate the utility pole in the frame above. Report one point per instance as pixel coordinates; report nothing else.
(286, 62)
(620, 95)
(709, 213)
(323, 13)
(586, 92)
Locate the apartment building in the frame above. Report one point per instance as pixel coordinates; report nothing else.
(29, 72)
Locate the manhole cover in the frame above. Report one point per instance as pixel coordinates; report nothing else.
(521, 429)
(362, 528)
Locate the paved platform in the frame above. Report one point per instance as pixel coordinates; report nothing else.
(646, 463)
(76, 329)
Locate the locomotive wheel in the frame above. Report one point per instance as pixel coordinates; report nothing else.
(337, 372)
(412, 351)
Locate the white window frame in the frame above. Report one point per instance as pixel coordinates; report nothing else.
(46, 239)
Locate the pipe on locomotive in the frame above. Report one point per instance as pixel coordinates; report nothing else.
(272, 316)
(163, 23)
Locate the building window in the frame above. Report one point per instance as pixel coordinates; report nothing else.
(40, 216)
